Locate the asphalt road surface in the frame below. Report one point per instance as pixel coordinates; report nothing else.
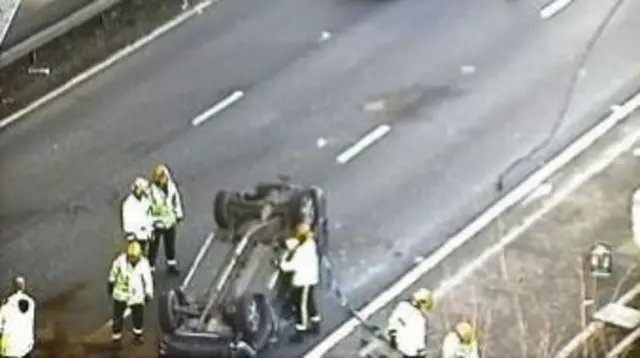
(466, 87)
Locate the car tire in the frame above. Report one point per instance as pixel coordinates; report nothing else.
(253, 319)
(221, 213)
(166, 319)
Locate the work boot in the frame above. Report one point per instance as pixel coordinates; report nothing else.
(315, 328)
(116, 340)
(173, 270)
(138, 339)
(296, 337)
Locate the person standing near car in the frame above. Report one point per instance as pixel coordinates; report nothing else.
(137, 222)
(303, 262)
(166, 210)
(17, 322)
(130, 285)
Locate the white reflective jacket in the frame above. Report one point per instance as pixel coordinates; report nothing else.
(410, 325)
(452, 347)
(131, 284)
(17, 328)
(136, 217)
(166, 207)
(304, 263)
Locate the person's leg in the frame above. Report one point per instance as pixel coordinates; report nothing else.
(153, 248)
(118, 320)
(137, 316)
(170, 249)
(312, 309)
(301, 315)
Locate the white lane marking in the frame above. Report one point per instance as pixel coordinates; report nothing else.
(190, 273)
(217, 108)
(365, 142)
(554, 8)
(196, 262)
(479, 223)
(121, 54)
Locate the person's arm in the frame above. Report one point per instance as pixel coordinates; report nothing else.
(128, 220)
(147, 280)
(177, 203)
(113, 274)
(450, 345)
(291, 264)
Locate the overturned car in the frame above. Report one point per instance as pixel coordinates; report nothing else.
(236, 298)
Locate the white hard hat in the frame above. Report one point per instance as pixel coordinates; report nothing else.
(422, 295)
(140, 184)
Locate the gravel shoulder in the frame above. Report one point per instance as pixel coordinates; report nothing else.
(528, 299)
(80, 49)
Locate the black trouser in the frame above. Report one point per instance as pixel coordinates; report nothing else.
(168, 236)
(137, 316)
(305, 307)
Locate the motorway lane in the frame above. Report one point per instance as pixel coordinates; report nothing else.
(65, 168)
(274, 130)
(404, 195)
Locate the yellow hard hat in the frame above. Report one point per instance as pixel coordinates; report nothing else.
(465, 331)
(134, 250)
(160, 173)
(303, 230)
(424, 299)
(140, 184)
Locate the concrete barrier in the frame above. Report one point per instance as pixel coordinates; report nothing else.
(37, 22)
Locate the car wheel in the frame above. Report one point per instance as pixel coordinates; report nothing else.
(221, 212)
(166, 319)
(252, 319)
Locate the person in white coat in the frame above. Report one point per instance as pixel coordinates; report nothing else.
(408, 324)
(461, 342)
(130, 285)
(166, 210)
(303, 262)
(17, 323)
(137, 222)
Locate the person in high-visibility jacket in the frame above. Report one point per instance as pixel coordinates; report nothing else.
(303, 262)
(461, 342)
(137, 222)
(17, 322)
(408, 324)
(131, 286)
(166, 210)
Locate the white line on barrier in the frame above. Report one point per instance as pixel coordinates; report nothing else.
(365, 142)
(507, 201)
(217, 108)
(554, 8)
(121, 54)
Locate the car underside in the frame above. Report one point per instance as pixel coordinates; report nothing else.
(237, 298)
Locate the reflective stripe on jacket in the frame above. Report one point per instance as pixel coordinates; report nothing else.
(166, 206)
(136, 217)
(411, 327)
(16, 327)
(131, 283)
(452, 347)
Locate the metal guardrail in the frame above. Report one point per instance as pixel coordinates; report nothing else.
(54, 31)
(8, 11)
